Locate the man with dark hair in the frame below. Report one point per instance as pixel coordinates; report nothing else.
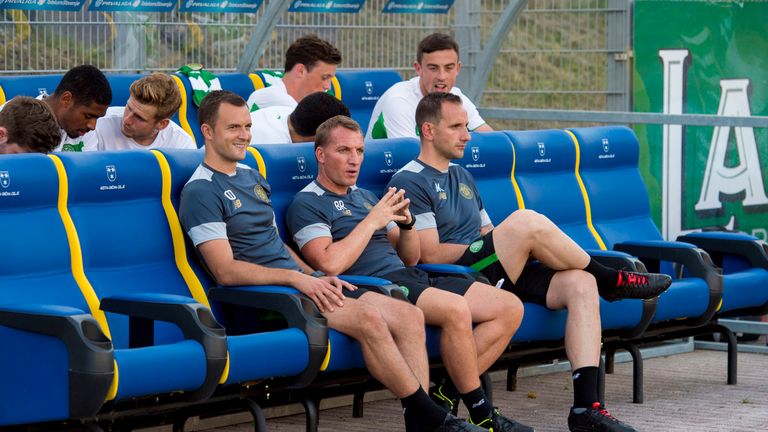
(28, 125)
(341, 228)
(453, 227)
(437, 66)
(282, 125)
(145, 121)
(226, 211)
(81, 97)
(310, 64)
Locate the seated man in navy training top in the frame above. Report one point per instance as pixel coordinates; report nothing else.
(344, 229)
(28, 126)
(453, 227)
(226, 211)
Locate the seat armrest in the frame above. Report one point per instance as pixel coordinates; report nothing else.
(617, 260)
(382, 286)
(89, 352)
(298, 310)
(195, 321)
(728, 243)
(696, 261)
(453, 270)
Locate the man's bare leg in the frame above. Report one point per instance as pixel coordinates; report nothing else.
(406, 324)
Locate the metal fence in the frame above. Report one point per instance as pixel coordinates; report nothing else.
(559, 54)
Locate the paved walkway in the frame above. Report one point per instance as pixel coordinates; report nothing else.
(684, 392)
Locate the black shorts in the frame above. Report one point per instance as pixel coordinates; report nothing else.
(414, 281)
(531, 286)
(354, 294)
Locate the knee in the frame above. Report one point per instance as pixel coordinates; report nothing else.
(526, 224)
(410, 317)
(371, 323)
(457, 314)
(583, 291)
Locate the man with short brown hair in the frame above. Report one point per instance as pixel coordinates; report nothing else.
(28, 125)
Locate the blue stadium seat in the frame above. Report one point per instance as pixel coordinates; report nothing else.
(609, 153)
(34, 85)
(361, 89)
(383, 158)
(301, 348)
(165, 336)
(56, 363)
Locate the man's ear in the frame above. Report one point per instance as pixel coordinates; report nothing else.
(3, 135)
(320, 154)
(162, 124)
(427, 130)
(207, 131)
(67, 99)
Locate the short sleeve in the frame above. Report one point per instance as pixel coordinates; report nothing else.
(201, 213)
(305, 221)
(396, 119)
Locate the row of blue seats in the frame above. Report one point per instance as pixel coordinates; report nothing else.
(100, 291)
(358, 89)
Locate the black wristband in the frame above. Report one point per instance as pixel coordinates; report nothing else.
(407, 226)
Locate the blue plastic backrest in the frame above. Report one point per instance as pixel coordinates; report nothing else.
(28, 85)
(237, 83)
(289, 168)
(546, 174)
(489, 157)
(383, 158)
(190, 111)
(617, 195)
(35, 265)
(115, 204)
(361, 89)
(120, 85)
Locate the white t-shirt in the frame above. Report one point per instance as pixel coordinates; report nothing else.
(110, 137)
(274, 95)
(83, 143)
(395, 112)
(270, 125)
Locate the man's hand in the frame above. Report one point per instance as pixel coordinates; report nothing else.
(391, 207)
(326, 291)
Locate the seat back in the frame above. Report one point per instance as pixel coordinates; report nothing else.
(617, 194)
(361, 89)
(383, 158)
(35, 258)
(115, 201)
(27, 85)
(545, 171)
(288, 169)
(489, 157)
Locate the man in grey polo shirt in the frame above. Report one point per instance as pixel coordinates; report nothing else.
(226, 211)
(344, 229)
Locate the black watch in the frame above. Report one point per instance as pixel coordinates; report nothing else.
(407, 226)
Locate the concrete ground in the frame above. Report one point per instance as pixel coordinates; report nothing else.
(683, 392)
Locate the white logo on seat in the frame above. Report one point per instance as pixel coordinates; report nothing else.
(475, 153)
(5, 179)
(606, 146)
(302, 163)
(369, 87)
(388, 158)
(42, 92)
(542, 149)
(111, 173)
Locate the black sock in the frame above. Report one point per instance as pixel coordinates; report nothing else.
(607, 278)
(478, 405)
(421, 413)
(585, 386)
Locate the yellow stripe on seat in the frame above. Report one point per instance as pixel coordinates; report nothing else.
(2, 96)
(518, 193)
(259, 161)
(258, 83)
(112, 392)
(327, 358)
(183, 108)
(75, 252)
(587, 206)
(336, 87)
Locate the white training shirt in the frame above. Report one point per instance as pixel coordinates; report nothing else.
(395, 112)
(274, 95)
(110, 137)
(270, 125)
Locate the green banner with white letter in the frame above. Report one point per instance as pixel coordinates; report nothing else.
(703, 57)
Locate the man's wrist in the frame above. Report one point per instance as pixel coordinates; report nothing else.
(317, 274)
(407, 226)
